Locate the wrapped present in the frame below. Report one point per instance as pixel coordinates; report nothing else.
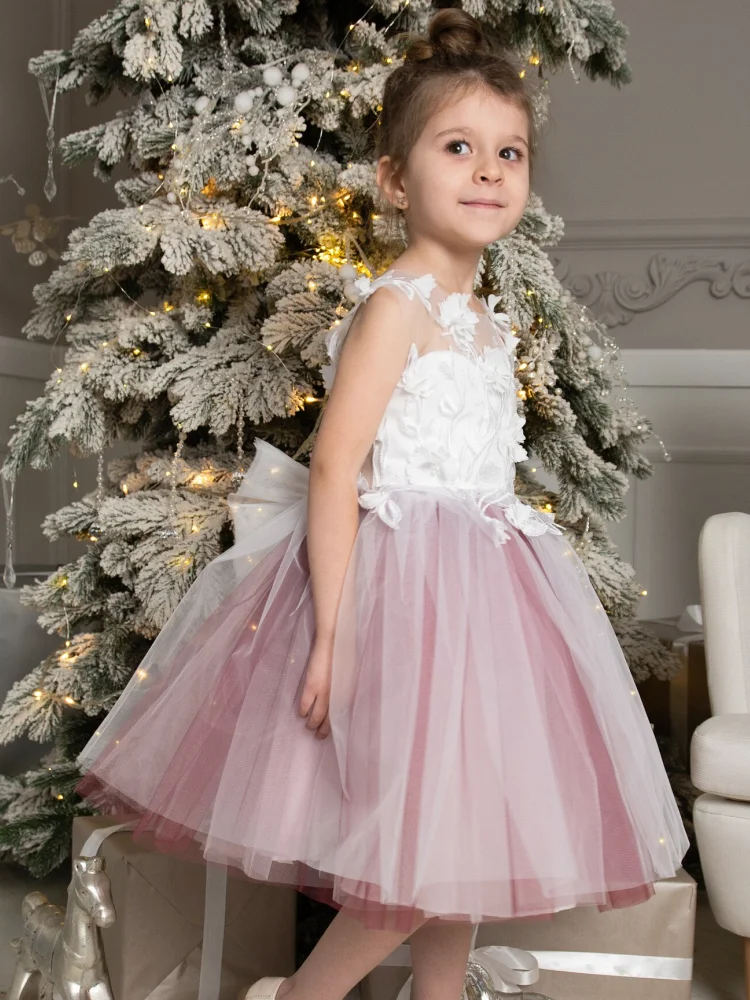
(684, 700)
(628, 953)
(153, 949)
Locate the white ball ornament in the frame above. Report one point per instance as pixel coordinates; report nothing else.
(259, 91)
(243, 102)
(254, 170)
(201, 104)
(595, 352)
(286, 95)
(351, 292)
(300, 73)
(272, 76)
(348, 272)
(171, 197)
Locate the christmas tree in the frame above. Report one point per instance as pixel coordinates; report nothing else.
(194, 319)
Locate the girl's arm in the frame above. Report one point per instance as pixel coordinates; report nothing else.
(372, 359)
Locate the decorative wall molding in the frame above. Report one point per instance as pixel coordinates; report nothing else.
(651, 369)
(650, 234)
(675, 368)
(656, 367)
(698, 456)
(615, 299)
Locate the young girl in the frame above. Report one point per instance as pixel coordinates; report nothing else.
(399, 691)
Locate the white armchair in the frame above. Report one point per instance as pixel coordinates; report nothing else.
(720, 746)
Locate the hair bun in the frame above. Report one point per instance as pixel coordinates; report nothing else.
(451, 32)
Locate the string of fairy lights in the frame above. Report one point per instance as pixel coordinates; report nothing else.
(343, 251)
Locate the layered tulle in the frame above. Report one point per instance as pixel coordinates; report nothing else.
(489, 755)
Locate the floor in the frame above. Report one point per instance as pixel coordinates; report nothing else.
(718, 954)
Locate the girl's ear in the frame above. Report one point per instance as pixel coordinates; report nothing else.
(386, 179)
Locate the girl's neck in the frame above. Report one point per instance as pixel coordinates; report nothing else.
(453, 273)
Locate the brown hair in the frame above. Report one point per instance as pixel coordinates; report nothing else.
(454, 57)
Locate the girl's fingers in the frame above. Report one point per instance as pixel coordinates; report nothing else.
(317, 714)
(324, 728)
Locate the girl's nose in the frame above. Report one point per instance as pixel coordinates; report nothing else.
(491, 171)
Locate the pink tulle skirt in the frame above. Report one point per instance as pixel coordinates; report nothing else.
(489, 755)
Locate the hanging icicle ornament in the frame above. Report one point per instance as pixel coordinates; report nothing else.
(171, 530)
(9, 573)
(96, 528)
(239, 473)
(50, 185)
(223, 44)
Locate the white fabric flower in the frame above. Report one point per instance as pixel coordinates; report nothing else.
(362, 284)
(411, 381)
(529, 520)
(381, 502)
(432, 457)
(424, 285)
(496, 368)
(458, 318)
(502, 322)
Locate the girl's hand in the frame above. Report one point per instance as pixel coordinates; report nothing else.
(317, 688)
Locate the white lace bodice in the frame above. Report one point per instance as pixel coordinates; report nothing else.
(452, 422)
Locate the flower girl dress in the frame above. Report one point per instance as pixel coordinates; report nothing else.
(489, 755)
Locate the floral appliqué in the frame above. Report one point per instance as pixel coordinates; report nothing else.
(496, 368)
(422, 285)
(502, 322)
(365, 286)
(458, 319)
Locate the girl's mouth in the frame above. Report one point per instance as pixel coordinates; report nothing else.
(483, 204)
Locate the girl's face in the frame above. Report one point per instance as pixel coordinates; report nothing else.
(466, 180)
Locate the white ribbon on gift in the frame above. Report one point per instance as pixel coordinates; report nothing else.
(95, 840)
(602, 963)
(213, 914)
(509, 967)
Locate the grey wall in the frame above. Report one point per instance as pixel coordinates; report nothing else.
(38, 25)
(652, 180)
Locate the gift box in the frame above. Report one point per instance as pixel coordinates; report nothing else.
(153, 949)
(628, 953)
(678, 706)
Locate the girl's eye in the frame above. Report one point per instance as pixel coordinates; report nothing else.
(462, 142)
